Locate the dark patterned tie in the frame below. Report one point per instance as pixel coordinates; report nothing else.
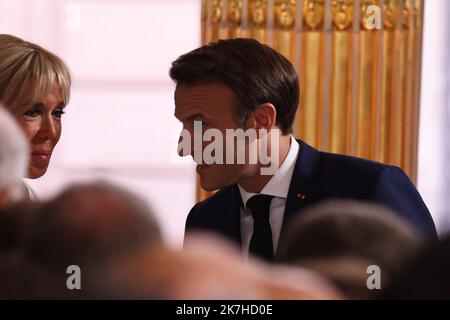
(261, 244)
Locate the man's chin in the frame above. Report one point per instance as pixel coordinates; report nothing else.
(208, 187)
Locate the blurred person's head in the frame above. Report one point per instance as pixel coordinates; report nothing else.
(88, 222)
(208, 268)
(201, 271)
(15, 222)
(19, 277)
(14, 151)
(85, 226)
(341, 239)
(293, 283)
(230, 84)
(35, 88)
(427, 277)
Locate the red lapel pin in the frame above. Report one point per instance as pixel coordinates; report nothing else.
(301, 196)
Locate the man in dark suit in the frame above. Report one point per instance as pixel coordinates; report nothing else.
(240, 83)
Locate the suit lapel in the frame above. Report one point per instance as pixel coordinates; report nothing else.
(231, 223)
(303, 183)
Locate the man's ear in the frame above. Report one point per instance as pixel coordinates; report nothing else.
(264, 117)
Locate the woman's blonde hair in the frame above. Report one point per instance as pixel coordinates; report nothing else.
(29, 73)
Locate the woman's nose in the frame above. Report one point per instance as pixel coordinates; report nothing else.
(48, 128)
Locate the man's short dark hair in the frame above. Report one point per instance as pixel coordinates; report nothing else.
(256, 73)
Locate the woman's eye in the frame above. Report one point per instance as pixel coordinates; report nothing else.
(32, 113)
(58, 113)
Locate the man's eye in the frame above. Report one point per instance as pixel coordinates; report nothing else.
(202, 122)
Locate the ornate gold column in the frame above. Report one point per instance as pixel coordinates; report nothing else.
(359, 81)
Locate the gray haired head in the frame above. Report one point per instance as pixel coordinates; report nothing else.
(14, 153)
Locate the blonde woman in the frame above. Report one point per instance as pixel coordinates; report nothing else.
(35, 88)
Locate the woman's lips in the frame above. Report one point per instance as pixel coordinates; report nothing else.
(43, 156)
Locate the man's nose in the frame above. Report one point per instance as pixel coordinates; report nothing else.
(185, 143)
(187, 146)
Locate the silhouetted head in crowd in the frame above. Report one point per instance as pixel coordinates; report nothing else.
(428, 277)
(208, 268)
(14, 150)
(15, 223)
(341, 239)
(86, 225)
(90, 222)
(19, 278)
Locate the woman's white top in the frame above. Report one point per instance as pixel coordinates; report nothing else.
(31, 194)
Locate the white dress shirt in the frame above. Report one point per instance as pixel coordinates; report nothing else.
(278, 187)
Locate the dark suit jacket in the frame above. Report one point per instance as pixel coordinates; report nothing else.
(320, 176)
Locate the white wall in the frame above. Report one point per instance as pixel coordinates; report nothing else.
(119, 124)
(434, 122)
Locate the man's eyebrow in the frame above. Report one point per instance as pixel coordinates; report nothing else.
(196, 116)
(193, 117)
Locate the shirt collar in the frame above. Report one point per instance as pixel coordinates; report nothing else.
(278, 185)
